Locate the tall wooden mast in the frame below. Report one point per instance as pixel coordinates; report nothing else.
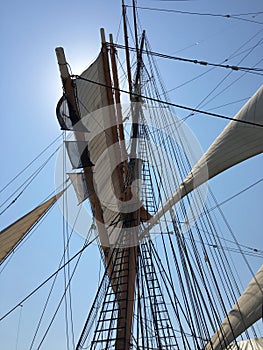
(131, 222)
(124, 272)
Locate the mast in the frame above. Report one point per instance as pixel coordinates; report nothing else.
(128, 64)
(135, 29)
(131, 220)
(127, 267)
(137, 110)
(117, 98)
(118, 181)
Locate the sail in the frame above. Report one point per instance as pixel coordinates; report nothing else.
(12, 235)
(251, 344)
(244, 314)
(98, 116)
(80, 186)
(237, 142)
(78, 154)
(90, 96)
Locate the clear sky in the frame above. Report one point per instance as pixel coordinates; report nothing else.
(31, 87)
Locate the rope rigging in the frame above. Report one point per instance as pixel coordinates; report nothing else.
(228, 16)
(31, 162)
(195, 267)
(195, 61)
(169, 103)
(86, 245)
(27, 183)
(185, 282)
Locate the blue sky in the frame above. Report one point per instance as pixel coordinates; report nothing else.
(31, 87)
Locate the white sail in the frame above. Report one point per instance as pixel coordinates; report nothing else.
(11, 236)
(98, 116)
(237, 142)
(244, 314)
(92, 96)
(80, 186)
(250, 344)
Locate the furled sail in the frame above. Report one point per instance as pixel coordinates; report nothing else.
(244, 314)
(12, 235)
(237, 142)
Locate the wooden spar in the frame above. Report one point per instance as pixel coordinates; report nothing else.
(94, 200)
(66, 79)
(139, 65)
(116, 86)
(126, 297)
(137, 109)
(124, 155)
(135, 29)
(113, 138)
(126, 49)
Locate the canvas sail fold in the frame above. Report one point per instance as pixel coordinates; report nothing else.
(250, 344)
(91, 96)
(67, 117)
(79, 183)
(236, 143)
(98, 118)
(244, 314)
(78, 154)
(12, 235)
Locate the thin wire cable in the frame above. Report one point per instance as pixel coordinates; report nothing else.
(49, 278)
(195, 61)
(53, 283)
(65, 240)
(27, 183)
(170, 103)
(19, 326)
(236, 17)
(32, 161)
(235, 195)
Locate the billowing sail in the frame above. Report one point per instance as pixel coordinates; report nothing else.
(237, 142)
(12, 235)
(244, 314)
